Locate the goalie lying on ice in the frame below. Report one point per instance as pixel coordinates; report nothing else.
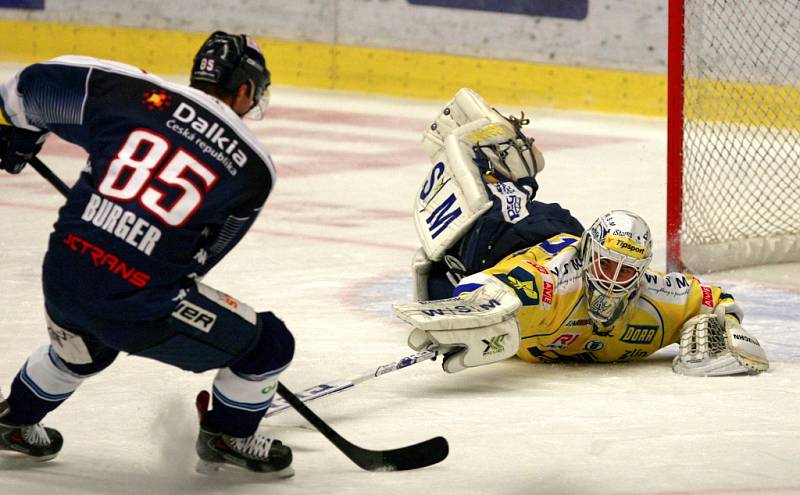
(587, 299)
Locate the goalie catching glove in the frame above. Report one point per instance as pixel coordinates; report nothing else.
(473, 329)
(716, 345)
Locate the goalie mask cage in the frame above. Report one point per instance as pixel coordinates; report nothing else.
(733, 139)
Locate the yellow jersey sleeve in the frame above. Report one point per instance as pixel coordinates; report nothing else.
(678, 297)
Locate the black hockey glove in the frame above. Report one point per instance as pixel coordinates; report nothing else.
(18, 146)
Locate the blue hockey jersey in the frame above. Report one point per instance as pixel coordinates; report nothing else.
(173, 181)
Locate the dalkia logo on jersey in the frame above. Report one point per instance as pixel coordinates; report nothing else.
(593, 345)
(157, 99)
(225, 147)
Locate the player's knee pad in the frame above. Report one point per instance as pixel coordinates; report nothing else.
(81, 355)
(272, 352)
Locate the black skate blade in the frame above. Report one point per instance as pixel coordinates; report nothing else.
(234, 472)
(11, 459)
(415, 456)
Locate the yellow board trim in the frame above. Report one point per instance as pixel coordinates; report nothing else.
(355, 68)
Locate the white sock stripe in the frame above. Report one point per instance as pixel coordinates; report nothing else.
(38, 392)
(244, 406)
(240, 393)
(46, 379)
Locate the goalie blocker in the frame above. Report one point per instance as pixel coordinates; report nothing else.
(473, 329)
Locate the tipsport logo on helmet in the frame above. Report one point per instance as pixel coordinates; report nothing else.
(625, 246)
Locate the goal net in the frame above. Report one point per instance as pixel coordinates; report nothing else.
(733, 133)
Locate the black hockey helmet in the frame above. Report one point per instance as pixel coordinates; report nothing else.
(229, 60)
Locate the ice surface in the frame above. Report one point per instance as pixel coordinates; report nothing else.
(331, 253)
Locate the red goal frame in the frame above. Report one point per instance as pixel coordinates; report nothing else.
(675, 73)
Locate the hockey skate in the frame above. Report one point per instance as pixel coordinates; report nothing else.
(35, 441)
(256, 453)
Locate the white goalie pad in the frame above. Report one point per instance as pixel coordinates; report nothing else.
(714, 345)
(473, 329)
(466, 106)
(453, 195)
(450, 200)
(420, 271)
(488, 126)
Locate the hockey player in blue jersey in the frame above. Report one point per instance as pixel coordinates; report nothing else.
(173, 181)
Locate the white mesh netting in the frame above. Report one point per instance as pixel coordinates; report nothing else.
(741, 165)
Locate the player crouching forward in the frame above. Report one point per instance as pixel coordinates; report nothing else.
(587, 299)
(151, 214)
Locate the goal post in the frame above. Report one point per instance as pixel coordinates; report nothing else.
(733, 134)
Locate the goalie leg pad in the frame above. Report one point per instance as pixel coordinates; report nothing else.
(712, 345)
(465, 107)
(420, 271)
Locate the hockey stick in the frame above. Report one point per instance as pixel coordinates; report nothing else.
(414, 456)
(329, 388)
(49, 176)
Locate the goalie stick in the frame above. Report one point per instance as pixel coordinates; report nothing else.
(329, 388)
(414, 456)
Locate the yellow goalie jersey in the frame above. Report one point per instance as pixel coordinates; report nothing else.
(554, 321)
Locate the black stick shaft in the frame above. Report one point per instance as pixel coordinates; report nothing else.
(49, 176)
